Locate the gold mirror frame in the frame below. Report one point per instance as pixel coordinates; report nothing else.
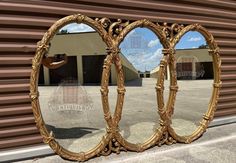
(156, 136)
(113, 34)
(42, 48)
(214, 52)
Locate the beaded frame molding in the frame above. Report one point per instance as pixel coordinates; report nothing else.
(113, 33)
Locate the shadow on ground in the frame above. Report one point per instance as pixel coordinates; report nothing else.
(132, 83)
(70, 133)
(135, 83)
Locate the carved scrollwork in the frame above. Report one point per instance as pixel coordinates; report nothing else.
(113, 146)
(170, 31)
(105, 22)
(113, 28)
(166, 139)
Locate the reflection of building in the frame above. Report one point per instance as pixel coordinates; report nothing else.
(190, 64)
(86, 53)
(154, 72)
(194, 64)
(145, 74)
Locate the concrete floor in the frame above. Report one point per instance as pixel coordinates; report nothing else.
(81, 128)
(217, 145)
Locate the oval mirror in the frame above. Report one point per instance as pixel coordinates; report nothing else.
(141, 52)
(196, 69)
(70, 96)
(69, 111)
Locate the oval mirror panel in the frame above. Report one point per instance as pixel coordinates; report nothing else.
(69, 86)
(195, 78)
(141, 52)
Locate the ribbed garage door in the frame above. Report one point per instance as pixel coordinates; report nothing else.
(23, 23)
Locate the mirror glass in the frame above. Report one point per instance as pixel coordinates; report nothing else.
(112, 93)
(166, 84)
(69, 86)
(195, 79)
(141, 52)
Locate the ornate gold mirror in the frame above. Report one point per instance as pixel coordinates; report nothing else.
(71, 92)
(195, 69)
(97, 86)
(194, 77)
(69, 59)
(141, 51)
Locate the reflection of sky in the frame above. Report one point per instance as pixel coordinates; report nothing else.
(77, 28)
(142, 47)
(191, 40)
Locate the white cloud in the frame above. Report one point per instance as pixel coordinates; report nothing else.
(194, 39)
(145, 61)
(76, 28)
(155, 57)
(153, 43)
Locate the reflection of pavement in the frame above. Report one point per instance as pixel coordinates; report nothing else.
(183, 127)
(82, 144)
(135, 133)
(139, 116)
(191, 103)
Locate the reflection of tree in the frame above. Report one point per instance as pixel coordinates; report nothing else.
(203, 46)
(63, 31)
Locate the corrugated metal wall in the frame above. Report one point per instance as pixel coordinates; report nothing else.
(23, 23)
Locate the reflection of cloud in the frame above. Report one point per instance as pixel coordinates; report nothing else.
(194, 39)
(145, 60)
(141, 48)
(157, 54)
(75, 28)
(153, 43)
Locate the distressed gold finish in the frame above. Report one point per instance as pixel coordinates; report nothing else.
(113, 34)
(214, 51)
(155, 138)
(40, 52)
